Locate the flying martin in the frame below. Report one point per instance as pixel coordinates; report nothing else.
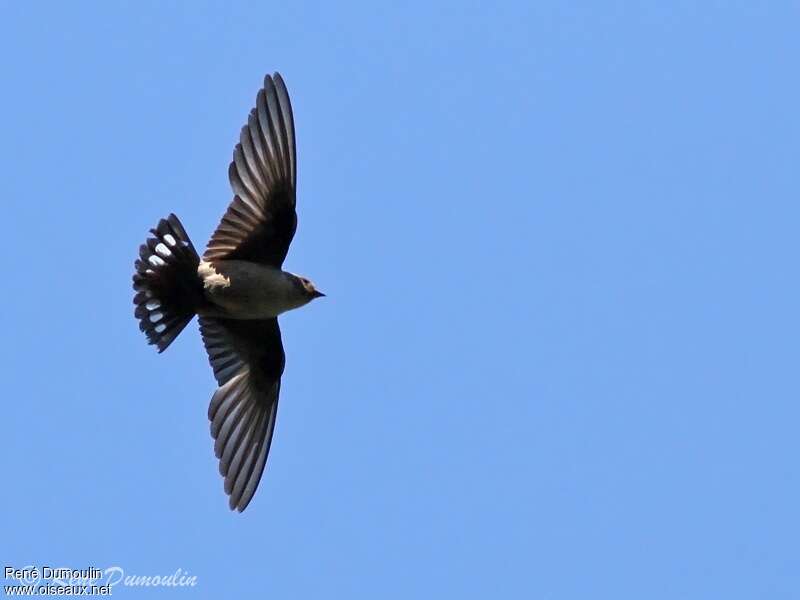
(237, 289)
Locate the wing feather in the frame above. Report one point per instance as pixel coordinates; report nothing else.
(261, 219)
(247, 359)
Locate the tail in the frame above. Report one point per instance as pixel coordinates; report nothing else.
(168, 289)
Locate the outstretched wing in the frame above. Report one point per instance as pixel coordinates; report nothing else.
(261, 220)
(248, 361)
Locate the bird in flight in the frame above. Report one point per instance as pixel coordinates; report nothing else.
(237, 289)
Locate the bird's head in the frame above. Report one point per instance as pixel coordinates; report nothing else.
(307, 288)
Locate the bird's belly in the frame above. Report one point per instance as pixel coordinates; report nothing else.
(244, 290)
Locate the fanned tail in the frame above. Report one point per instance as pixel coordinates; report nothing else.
(168, 289)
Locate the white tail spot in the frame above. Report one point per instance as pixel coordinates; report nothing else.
(163, 250)
(160, 328)
(156, 261)
(155, 317)
(170, 240)
(153, 304)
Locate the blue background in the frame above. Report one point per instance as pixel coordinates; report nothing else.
(558, 356)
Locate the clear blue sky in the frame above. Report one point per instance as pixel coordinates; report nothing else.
(559, 354)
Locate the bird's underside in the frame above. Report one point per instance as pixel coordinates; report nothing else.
(237, 289)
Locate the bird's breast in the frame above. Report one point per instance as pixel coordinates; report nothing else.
(246, 290)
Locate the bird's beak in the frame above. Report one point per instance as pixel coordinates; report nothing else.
(318, 294)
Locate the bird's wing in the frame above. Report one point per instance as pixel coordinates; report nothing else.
(260, 222)
(248, 360)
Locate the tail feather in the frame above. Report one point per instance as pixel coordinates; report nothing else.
(168, 289)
